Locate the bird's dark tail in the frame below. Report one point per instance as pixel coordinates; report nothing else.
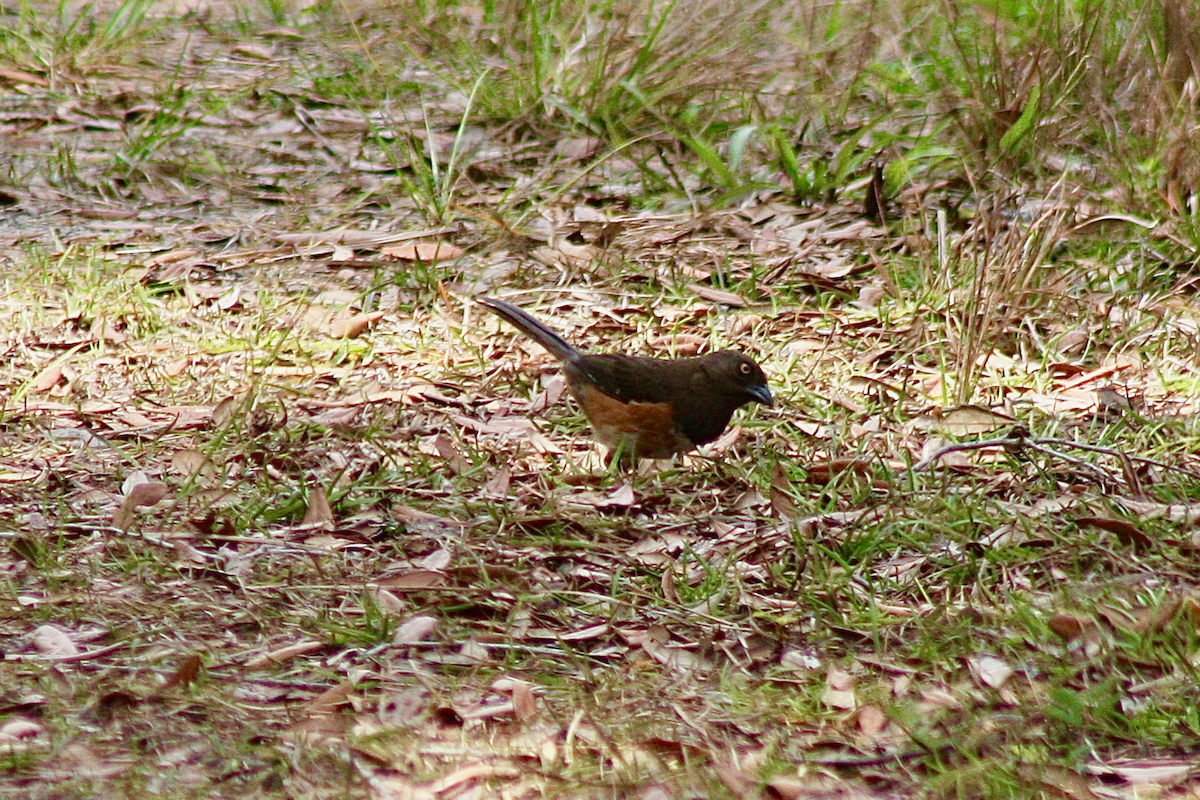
(532, 328)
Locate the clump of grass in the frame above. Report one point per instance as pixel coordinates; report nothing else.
(67, 42)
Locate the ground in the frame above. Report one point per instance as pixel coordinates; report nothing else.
(284, 513)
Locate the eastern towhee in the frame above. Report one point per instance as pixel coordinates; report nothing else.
(649, 407)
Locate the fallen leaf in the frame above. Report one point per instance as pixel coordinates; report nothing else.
(139, 491)
(436, 560)
(225, 411)
(1128, 533)
(871, 720)
(50, 641)
(423, 251)
(415, 629)
(21, 476)
(184, 674)
(616, 499)
(17, 730)
(970, 419)
(497, 486)
(413, 580)
(839, 690)
(524, 703)
(254, 50)
(284, 654)
(718, 296)
(827, 471)
(672, 656)
(21, 76)
(355, 326)
(444, 447)
(318, 511)
(47, 379)
(231, 299)
(667, 582)
(1162, 771)
(442, 786)
(192, 462)
(738, 783)
(781, 500)
(1057, 781)
(990, 671)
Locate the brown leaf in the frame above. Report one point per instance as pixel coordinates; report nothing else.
(583, 634)
(718, 296)
(940, 698)
(231, 299)
(175, 368)
(1068, 626)
(564, 254)
(318, 510)
(725, 441)
(616, 499)
(23, 476)
(672, 656)
(423, 251)
(970, 419)
(284, 654)
(497, 486)
(574, 147)
(415, 630)
(436, 560)
(416, 516)
(667, 582)
(1142, 619)
(15, 731)
(21, 76)
(190, 463)
(254, 50)
(47, 379)
(524, 703)
(442, 786)
(355, 326)
(387, 602)
(990, 671)
(139, 491)
(413, 580)
(1057, 781)
(331, 699)
(183, 675)
(336, 417)
(679, 344)
(1158, 771)
(653, 791)
(225, 410)
(1128, 533)
(827, 471)
(738, 783)
(444, 447)
(871, 720)
(171, 257)
(839, 690)
(781, 500)
(51, 641)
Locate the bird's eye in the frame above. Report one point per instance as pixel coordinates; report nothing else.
(744, 369)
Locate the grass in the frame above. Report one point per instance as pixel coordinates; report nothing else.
(389, 534)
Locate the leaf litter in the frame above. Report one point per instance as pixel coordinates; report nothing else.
(286, 488)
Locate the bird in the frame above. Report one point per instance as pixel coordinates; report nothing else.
(648, 408)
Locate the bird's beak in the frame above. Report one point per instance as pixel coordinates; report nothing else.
(761, 393)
